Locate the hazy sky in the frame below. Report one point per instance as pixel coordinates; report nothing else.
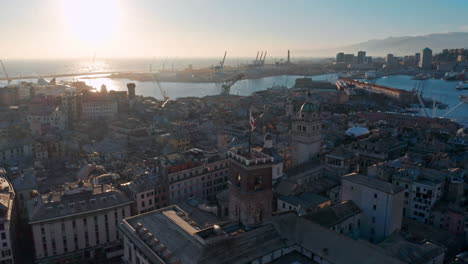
(149, 28)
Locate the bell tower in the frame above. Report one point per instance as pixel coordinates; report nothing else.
(250, 187)
(306, 132)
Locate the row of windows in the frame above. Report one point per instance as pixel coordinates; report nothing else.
(195, 172)
(65, 241)
(43, 118)
(196, 181)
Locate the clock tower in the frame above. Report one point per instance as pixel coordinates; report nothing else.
(306, 132)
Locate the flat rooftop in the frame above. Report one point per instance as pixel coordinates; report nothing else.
(373, 183)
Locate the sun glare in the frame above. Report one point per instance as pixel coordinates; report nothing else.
(92, 21)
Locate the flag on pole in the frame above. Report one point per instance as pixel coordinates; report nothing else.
(251, 121)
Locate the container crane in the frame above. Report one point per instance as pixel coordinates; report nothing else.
(5, 72)
(227, 84)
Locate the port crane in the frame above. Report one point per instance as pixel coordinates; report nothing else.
(6, 74)
(163, 92)
(259, 61)
(220, 65)
(227, 84)
(256, 58)
(264, 56)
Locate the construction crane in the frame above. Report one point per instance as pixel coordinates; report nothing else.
(220, 65)
(6, 74)
(227, 84)
(163, 92)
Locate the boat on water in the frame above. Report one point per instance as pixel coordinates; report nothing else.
(421, 76)
(453, 76)
(462, 86)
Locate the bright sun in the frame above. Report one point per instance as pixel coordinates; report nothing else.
(92, 21)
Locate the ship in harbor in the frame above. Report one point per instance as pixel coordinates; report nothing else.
(462, 86)
(454, 76)
(421, 76)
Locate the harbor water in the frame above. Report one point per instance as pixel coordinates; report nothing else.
(440, 90)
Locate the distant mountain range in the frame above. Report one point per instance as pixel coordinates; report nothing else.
(402, 45)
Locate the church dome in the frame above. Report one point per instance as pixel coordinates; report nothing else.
(308, 106)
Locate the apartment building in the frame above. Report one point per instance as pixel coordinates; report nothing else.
(424, 187)
(381, 204)
(195, 173)
(148, 191)
(98, 106)
(77, 224)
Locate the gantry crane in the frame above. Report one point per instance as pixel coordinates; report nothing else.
(227, 84)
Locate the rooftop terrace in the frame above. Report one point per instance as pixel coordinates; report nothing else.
(250, 158)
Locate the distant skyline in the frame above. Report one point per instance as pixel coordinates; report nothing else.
(206, 28)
